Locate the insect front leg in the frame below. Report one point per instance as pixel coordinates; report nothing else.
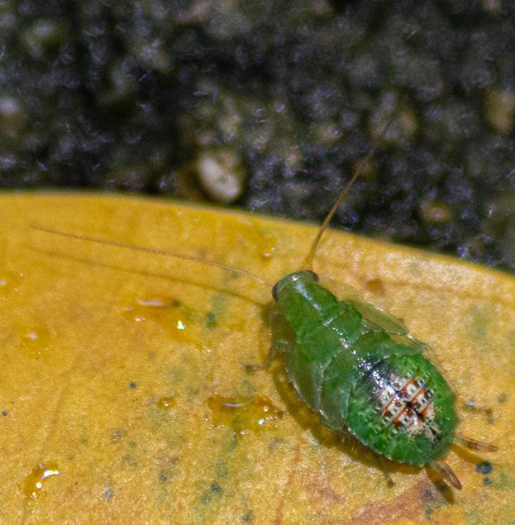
(272, 355)
(283, 339)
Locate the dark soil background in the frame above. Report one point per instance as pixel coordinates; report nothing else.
(268, 106)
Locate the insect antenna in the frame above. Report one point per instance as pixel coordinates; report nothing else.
(357, 171)
(446, 472)
(154, 251)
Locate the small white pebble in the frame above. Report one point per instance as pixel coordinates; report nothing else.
(221, 175)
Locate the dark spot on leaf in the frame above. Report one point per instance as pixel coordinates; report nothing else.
(206, 498)
(132, 385)
(166, 468)
(485, 467)
(503, 397)
(129, 461)
(162, 478)
(428, 495)
(214, 490)
(211, 321)
(486, 481)
(4, 413)
(215, 487)
(117, 435)
(176, 303)
(248, 517)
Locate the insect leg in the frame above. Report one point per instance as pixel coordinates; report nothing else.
(474, 444)
(446, 472)
(272, 354)
(382, 465)
(283, 338)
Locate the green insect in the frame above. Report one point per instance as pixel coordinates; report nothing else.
(358, 368)
(355, 366)
(360, 371)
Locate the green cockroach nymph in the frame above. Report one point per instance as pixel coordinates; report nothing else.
(357, 373)
(358, 368)
(362, 373)
(354, 365)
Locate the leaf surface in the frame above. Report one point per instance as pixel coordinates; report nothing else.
(125, 396)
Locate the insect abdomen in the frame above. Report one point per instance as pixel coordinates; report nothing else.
(357, 375)
(403, 409)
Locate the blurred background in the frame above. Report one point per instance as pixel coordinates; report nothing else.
(268, 106)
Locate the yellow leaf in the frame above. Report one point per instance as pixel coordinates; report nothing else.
(124, 392)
